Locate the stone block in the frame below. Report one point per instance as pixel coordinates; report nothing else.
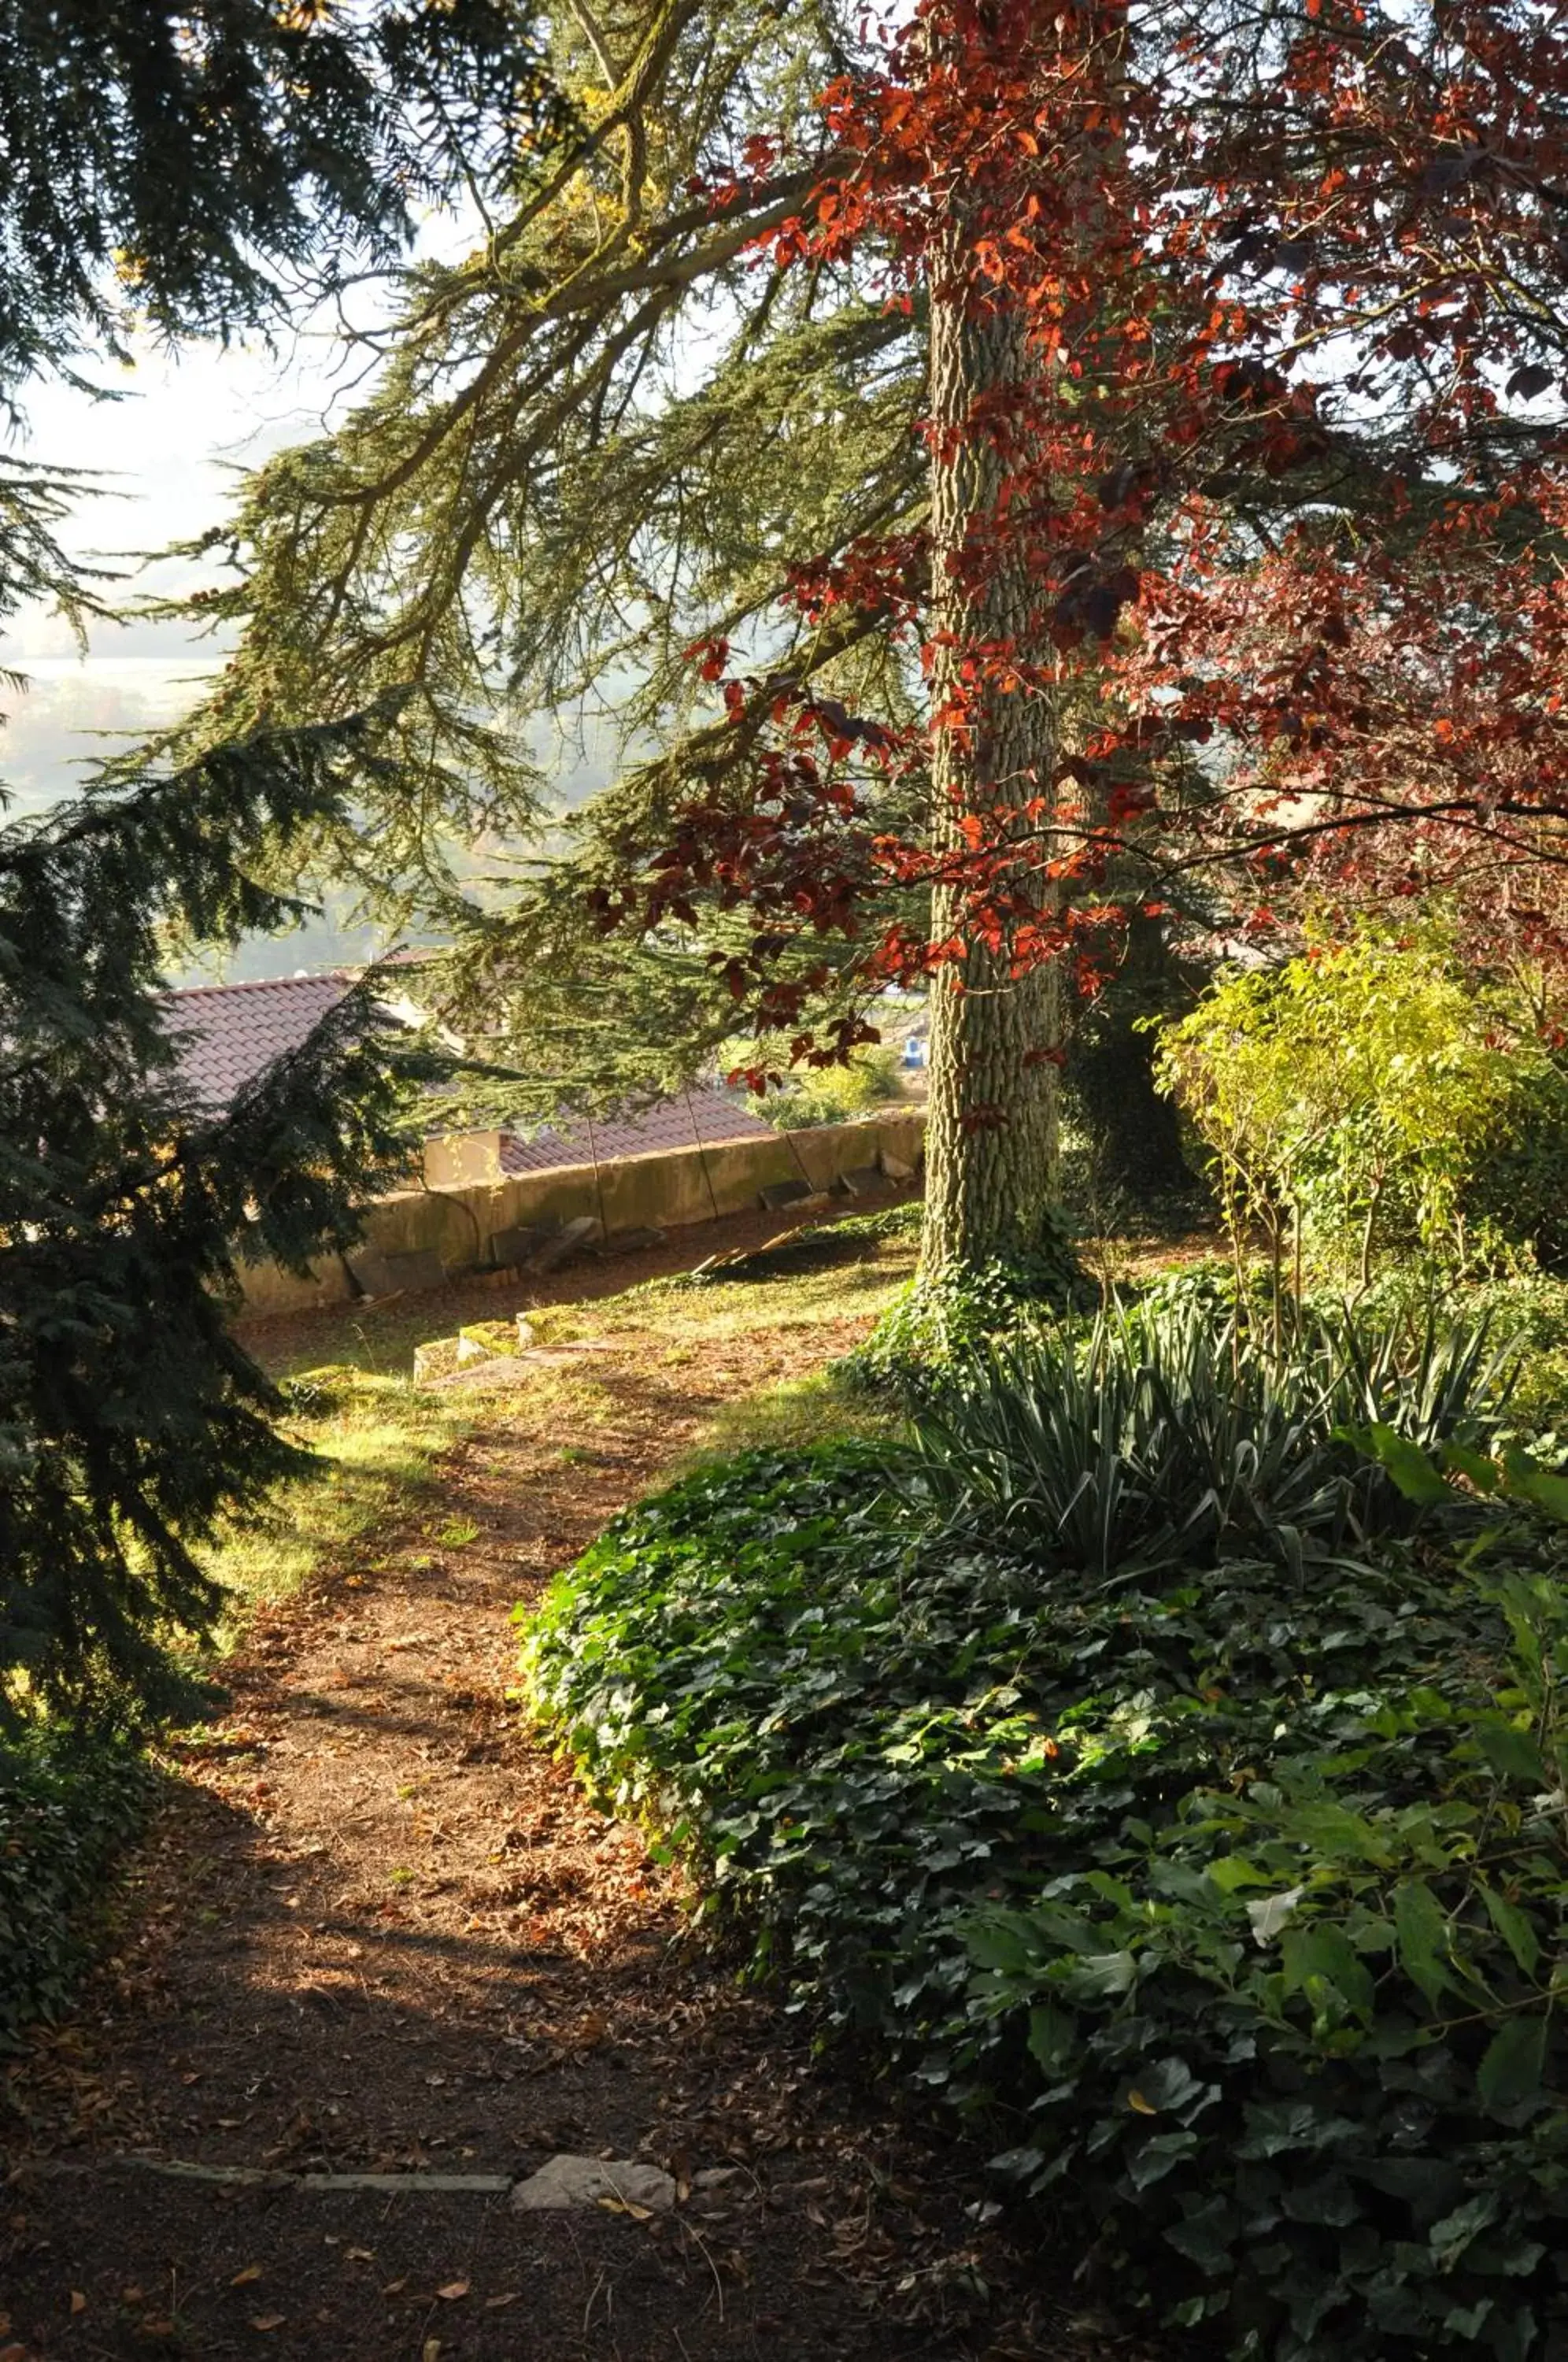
(621, 1242)
(437, 1358)
(570, 1239)
(377, 1272)
(580, 2181)
(509, 1248)
(778, 1194)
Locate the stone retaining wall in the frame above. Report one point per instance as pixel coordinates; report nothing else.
(663, 1191)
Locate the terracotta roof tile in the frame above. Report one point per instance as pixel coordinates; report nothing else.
(229, 1032)
(705, 1119)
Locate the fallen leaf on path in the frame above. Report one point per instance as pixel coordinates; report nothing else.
(243, 2279)
(269, 2321)
(494, 2303)
(359, 2255)
(453, 2290)
(78, 2301)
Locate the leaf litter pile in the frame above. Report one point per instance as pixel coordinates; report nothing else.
(376, 1931)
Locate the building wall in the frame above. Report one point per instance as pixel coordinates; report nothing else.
(667, 1190)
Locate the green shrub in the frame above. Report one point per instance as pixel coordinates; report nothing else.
(1231, 1900)
(831, 1094)
(1377, 1097)
(1298, 2047)
(65, 1809)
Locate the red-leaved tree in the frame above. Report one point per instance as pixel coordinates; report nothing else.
(1243, 551)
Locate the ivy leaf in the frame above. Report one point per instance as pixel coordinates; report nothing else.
(1512, 1753)
(992, 1944)
(1515, 2063)
(1465, 1460)
(1232, 1869)
(1421, 1932)
(1417, 1475)
(1512, 1926)
(1206, 2235)
(1168, 2084)
(1527, 1481)
(1324, 1954)
(1104, 1976)
(1453, 2234)
(1052, 2032)
(1157, 2157)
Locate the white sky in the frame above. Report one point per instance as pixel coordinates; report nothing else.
(166, 455)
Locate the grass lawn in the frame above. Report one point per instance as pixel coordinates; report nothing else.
(692, 1371)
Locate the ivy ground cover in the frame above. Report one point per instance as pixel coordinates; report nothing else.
(1226, 1895)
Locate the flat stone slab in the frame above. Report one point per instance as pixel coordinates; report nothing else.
(567, 2181)
(489, 1377)
(573, 1236)
(620, 1242)
(414, 1273)
(576, 2181)
(779, 1194)
(256, 2177)
(512, 1247)
(436, 1359)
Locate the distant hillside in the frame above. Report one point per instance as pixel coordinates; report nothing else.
(72, 713)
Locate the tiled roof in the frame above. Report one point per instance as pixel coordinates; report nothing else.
(701, 1117)
(229, 1032)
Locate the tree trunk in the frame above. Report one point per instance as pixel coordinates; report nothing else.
(991, 1137)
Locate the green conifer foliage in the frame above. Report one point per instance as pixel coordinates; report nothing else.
(608, 431)
(187, 165)
(169, 160)
(130, 1419)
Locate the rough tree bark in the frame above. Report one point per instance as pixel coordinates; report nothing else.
(991, 1137)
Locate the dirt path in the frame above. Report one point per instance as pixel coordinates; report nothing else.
(376, 1929)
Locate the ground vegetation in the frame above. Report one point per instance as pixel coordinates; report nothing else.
(1153, 1763)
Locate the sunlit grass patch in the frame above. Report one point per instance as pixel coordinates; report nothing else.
(793, 1414)
(376, 1440)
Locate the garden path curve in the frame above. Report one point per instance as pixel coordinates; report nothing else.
(377, 1932)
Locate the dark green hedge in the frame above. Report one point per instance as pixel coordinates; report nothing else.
(65, 1810)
